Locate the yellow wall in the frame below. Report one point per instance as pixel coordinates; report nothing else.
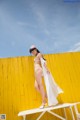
(17, 90)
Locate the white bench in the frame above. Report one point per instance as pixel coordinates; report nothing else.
(48, 109)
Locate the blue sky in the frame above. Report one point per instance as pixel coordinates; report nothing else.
(52, 25)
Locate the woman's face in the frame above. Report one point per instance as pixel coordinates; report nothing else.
(34, 52)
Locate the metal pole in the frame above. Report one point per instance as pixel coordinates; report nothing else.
(65, 113)
(24, 117)
(40, 115)
(73, 118)
(58, 116)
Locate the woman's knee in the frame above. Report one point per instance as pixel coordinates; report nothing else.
(36, 86)
(39, 74)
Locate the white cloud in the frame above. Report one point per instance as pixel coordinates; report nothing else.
(77, 44)
(40, 15)
(75, 48)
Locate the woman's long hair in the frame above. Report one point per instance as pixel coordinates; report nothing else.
(37, 52)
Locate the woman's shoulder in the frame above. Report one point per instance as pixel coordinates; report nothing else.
(39, 55)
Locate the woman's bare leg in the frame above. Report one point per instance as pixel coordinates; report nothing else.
(37, 86)
(40, 86)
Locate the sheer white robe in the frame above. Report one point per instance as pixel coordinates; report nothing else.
(52, 88)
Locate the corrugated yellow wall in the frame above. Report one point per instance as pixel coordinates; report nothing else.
(17, 90)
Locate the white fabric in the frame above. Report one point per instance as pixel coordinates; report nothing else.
(52, 88)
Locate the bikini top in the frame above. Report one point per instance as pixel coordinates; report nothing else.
(36, 60)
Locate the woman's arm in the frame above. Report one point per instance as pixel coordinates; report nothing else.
(45, 65)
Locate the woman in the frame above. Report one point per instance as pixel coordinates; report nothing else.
(41, 69)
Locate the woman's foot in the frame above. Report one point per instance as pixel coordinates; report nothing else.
(43, 105)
